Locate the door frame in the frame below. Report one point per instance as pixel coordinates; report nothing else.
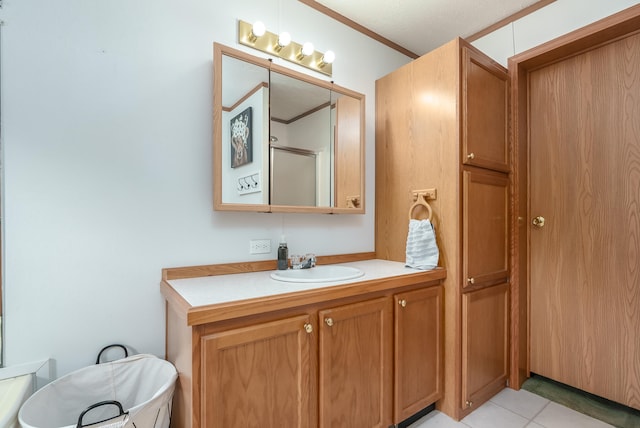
(604, 31)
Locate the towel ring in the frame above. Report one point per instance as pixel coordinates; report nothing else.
(421, 201)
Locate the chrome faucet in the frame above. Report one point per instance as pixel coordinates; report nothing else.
(308, 261)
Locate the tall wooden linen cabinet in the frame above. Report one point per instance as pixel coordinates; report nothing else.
(441, 122)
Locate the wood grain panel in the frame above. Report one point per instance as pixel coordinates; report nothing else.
(418, 351)
(585, 181)
(257, 376)
(348, 153)
(485, 345)
(355, 365)
(416, 108)
(485, 92)
(485, 228)
(417, 147)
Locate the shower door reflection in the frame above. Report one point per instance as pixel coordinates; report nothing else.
(293, 176)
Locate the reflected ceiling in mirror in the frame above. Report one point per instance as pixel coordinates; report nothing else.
(284, 141)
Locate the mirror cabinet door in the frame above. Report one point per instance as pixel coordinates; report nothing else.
(347, 120)
(245, 132)
(300, 143)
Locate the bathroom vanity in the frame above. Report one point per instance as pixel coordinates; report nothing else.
(254, 351)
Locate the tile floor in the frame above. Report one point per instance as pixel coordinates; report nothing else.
(514, 409)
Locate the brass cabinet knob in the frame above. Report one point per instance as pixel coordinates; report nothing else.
(402, 303)
(471, 281)
(328, 321)
(538, 221)
(471, 156)
(469, 403)
(308, 328)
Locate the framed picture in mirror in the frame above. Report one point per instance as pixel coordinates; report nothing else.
(241, 136)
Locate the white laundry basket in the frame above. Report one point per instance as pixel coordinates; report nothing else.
(133, 392)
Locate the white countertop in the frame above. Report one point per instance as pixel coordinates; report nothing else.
(210, 290)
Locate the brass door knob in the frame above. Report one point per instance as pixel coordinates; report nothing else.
(308, 328)
(469, 403)
(402, 303)
(471, 281)
(538, 221)
(328, 321)
(471, 156)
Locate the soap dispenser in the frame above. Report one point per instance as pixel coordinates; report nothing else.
(283, 254)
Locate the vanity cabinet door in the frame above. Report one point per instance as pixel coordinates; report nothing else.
(485, 345)
(417, 351)
(258, 376)
(355, 365)
(485, 92)
(485, 257)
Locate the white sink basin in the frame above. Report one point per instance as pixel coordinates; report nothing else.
(325, 273)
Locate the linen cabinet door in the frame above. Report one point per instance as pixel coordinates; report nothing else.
(258, 376)
(417, 351)
(485, 344)
(355, 365)
(485, 234)
(485, 94)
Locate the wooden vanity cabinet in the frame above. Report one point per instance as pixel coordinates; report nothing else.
(355, 365)
(337, 356)
(417, 351)
(258, 375)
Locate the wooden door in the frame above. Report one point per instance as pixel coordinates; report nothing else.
(355, 365)
(258, 376)
(485, 256)
(485, 92)
(485, 344)
(585, 182)
(418, 351)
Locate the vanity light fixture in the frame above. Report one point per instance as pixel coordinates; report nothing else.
(257, 30)
(283, 41)
(306, 50)
(257, 37)
(327, 58)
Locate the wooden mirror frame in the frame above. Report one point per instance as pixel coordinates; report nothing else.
(218, 52)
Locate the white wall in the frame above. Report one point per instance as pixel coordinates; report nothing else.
(548, 23)
(107, 130)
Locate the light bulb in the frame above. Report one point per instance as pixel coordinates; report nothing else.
(328, 57)
(258, 29)
(284, 39)
(307, 49)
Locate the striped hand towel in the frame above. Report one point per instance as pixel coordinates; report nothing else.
(422, 249)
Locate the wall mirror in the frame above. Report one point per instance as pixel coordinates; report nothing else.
(284, 141)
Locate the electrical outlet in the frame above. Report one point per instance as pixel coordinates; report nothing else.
(260, 246)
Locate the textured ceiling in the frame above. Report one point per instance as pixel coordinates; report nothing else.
(422, 25)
